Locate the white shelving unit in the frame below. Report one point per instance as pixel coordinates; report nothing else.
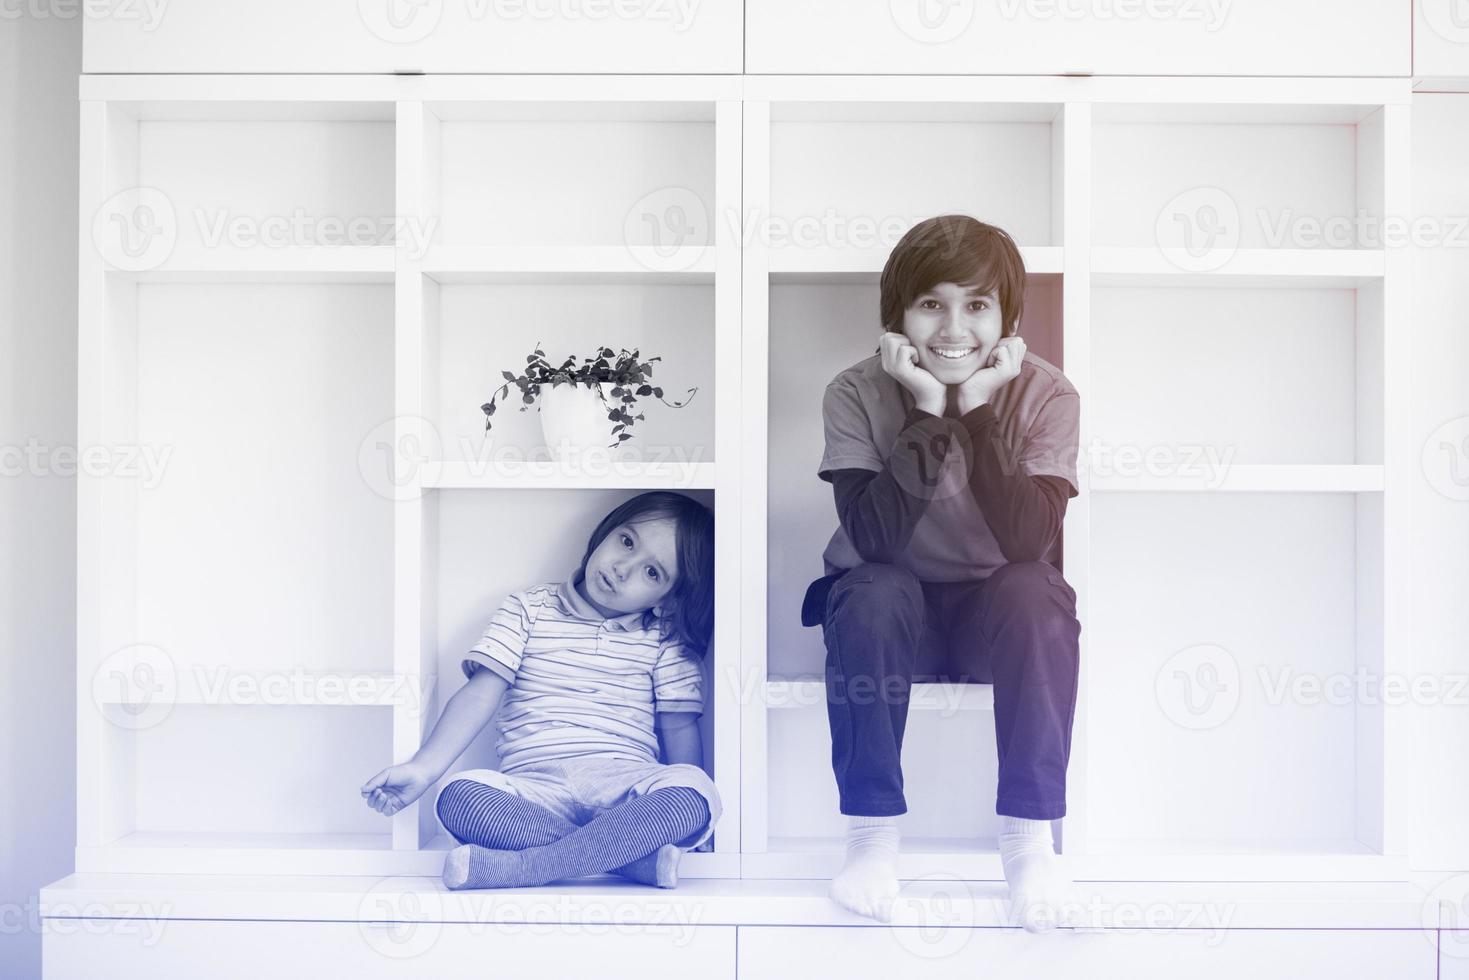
(333, 529)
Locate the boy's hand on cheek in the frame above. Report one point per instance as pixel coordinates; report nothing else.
(900, 360)
(1002, 367)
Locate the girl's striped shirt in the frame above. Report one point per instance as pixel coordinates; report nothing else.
(581, 685)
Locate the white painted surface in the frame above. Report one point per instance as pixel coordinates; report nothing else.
(1440, 407)
(39, 59)
(1128, 954)
(1441, 44)
(243, 950)
(1243, 37)
(502, 36)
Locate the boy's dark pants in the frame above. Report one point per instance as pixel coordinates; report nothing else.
(883, 629)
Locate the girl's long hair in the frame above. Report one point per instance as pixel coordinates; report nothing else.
(688, 609)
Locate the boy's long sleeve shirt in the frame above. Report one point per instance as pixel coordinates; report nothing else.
(879, 510)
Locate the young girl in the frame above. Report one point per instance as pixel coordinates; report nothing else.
(595, 673)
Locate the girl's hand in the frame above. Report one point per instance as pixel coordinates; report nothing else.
(1003, 367)
(900, 360)
(395, 787)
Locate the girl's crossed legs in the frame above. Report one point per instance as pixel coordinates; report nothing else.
(641, 817)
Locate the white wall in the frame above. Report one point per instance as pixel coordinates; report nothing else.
(1440, 359)
(40, 57)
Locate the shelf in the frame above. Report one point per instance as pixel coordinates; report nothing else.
(1142, 861)
(306, 854)
(551, 264)
(1252, 267)
(370, 263)
(597, 473)
(946, 698)
(224, 853)
(226, 686)
(259, 896)
(970, 859)
(1254, 478)
(1314, 859)
(833, 264)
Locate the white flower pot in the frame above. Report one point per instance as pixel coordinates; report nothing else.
(574, 419)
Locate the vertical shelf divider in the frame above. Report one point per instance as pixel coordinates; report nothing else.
(95, 821)
(1073, 231)
(728, 459)
(1400, 475)
(755, 460)
(409, 437)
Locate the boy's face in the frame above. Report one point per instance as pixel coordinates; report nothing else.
(954, 329)
(633, 568)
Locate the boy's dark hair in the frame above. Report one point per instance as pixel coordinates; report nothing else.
(688, 609)
(959, 249)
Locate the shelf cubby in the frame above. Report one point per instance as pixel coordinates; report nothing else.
(1183, 683)
(1192, 177)
(484, 329)
(202, 186)
(1237, 376)
(189, 783)
(845, 170)
(622, 173)
(474, 532)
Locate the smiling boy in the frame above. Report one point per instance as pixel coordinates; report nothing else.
(951, 453)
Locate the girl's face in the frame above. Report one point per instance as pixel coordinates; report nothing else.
(633, 568)
(954, 328)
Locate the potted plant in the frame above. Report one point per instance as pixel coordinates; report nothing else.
(584, 405)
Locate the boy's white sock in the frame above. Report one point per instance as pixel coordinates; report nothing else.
(868, 881)
(1041, 892)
